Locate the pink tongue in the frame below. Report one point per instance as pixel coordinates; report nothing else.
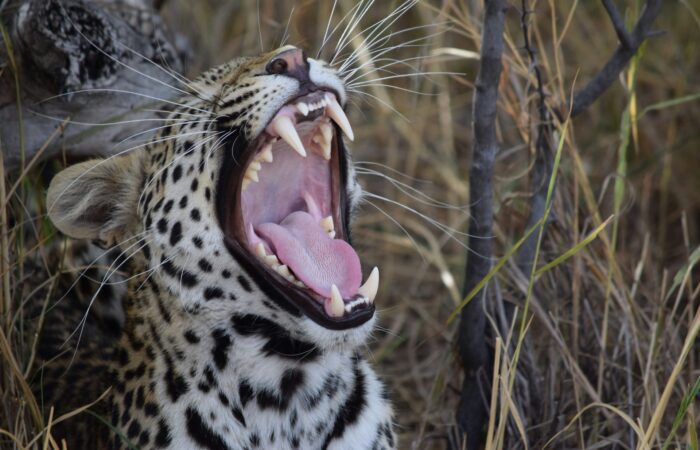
(319, 261)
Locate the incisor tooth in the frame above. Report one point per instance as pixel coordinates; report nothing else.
(337, 304)
(284, 127)
(255, 166)
(272, 260)
(303, 108)
(246, 182)
(336, 113)
(369, 289)
(260, 250)
(252, 175)
(327, 224)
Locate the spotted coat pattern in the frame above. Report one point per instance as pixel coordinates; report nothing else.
(202, 357)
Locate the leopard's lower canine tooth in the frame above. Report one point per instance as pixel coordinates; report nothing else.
(260, 250)
(336, 113)
(337, 305)
(369, 289)
(284, 127)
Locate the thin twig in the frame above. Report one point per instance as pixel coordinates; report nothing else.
(471, 413)
(616, 64)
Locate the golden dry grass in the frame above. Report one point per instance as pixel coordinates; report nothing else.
(609, 353)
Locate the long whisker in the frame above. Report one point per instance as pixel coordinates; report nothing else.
(123, 91)
(412, 192)
(398, 224)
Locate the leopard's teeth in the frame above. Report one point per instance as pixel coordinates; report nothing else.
(303, 108)
(335, 112)
(284, 270)
(271, 260)
(327, 224)
(323, 138)
(359, 301)
(337, 306)
(284, 128)
(251, 174)
(266, 154)
(369, 289)
(260, 250)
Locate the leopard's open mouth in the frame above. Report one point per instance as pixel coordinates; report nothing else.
(282, 203)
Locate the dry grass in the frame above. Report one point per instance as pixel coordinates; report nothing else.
(607, 354)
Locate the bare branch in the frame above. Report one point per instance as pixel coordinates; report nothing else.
(618, 23)
(472, 344)
(608, 74)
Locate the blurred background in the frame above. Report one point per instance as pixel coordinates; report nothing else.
(609, 328)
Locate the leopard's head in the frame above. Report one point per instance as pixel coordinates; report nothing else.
(241, 204)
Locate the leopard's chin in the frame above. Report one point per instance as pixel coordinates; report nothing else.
(283, 206)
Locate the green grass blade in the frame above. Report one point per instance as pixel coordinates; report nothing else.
(575, 249)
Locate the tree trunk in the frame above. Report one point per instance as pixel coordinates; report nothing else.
(98, 69)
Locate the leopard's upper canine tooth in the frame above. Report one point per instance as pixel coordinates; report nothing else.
(369, 289)
(337, 305)
(284, 127)
(336, 113)
(303, 108)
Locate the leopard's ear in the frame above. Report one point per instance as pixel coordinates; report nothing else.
(97, 199)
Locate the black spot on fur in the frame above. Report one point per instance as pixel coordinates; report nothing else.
(245, 284)
(163, 438)
(212, 293)
(201, 433)
(177, 173)
(245, 392)
(279, 341)
(191, 337)
(222, 345)
(162, 225)
(176, 233)
(195, 215)
(204, 265)
(352, 408)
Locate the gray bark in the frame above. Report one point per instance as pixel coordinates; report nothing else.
(88, 62)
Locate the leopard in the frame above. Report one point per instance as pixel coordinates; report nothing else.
(228, 308)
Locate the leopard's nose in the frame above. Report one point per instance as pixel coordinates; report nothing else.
(292, 63)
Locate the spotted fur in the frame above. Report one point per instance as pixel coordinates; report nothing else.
(203, 357)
